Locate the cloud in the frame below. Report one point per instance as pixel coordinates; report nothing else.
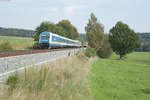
(70, 10)
(87, 2)
(74, 10)
(73, 7)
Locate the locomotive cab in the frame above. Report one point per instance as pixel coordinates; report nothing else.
(44, 39)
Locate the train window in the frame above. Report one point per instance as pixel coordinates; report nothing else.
(62, 40)
(58, 39)
(54, 38)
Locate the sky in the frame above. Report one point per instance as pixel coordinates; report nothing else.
(28, 14)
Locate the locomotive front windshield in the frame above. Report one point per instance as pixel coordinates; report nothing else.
(45, 37)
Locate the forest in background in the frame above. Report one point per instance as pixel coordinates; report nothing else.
(16, 32)
(145, 42)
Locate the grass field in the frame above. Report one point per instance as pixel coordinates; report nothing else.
(138, 57)
(17, 43)
(112, 79)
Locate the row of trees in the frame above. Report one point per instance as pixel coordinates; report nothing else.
(145, 42)
(121, 38)
(16, 32)
(63, 28)
(145, 47)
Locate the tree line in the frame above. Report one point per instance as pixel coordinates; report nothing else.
(16, 32)
(145, 42)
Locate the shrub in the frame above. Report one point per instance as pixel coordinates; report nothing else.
(90, 52)
(35, 46)
(6, 46)
(106, 50)
(13, 80)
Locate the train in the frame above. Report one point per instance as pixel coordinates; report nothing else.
(85, 44)
(51, 40)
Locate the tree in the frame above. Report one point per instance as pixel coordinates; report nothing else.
(70, 30)
(95, 33)
(63, 28)
(123, 39)
(106, 50)
(44, 26)
(50, 27)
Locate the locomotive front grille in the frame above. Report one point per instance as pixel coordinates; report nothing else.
(44, 44)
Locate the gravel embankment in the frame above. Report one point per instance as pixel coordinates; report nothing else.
(11, 64)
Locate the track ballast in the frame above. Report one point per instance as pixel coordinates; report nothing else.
(25, 52)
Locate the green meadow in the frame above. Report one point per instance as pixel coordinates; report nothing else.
(17, 43)
(129, 79)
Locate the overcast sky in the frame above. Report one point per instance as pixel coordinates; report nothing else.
(28, 14)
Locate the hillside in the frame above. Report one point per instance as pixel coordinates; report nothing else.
(16, 32)
(144, 37)
(145, 42)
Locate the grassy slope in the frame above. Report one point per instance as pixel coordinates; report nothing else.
(112, 79)
(65, 79)
(17, 42)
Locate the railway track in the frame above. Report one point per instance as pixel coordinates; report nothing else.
(25, 52)
(28, 59)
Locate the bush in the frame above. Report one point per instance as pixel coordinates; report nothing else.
(6, 46)
(35, 46)
(13, 80)
(90, 52)
(106, 50)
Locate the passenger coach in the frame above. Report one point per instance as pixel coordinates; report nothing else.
(48, 39)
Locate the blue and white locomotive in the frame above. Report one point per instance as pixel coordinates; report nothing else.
(51, 40)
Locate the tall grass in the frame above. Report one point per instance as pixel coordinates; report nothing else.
(6, 46)
(13, 80)
(64, 79)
